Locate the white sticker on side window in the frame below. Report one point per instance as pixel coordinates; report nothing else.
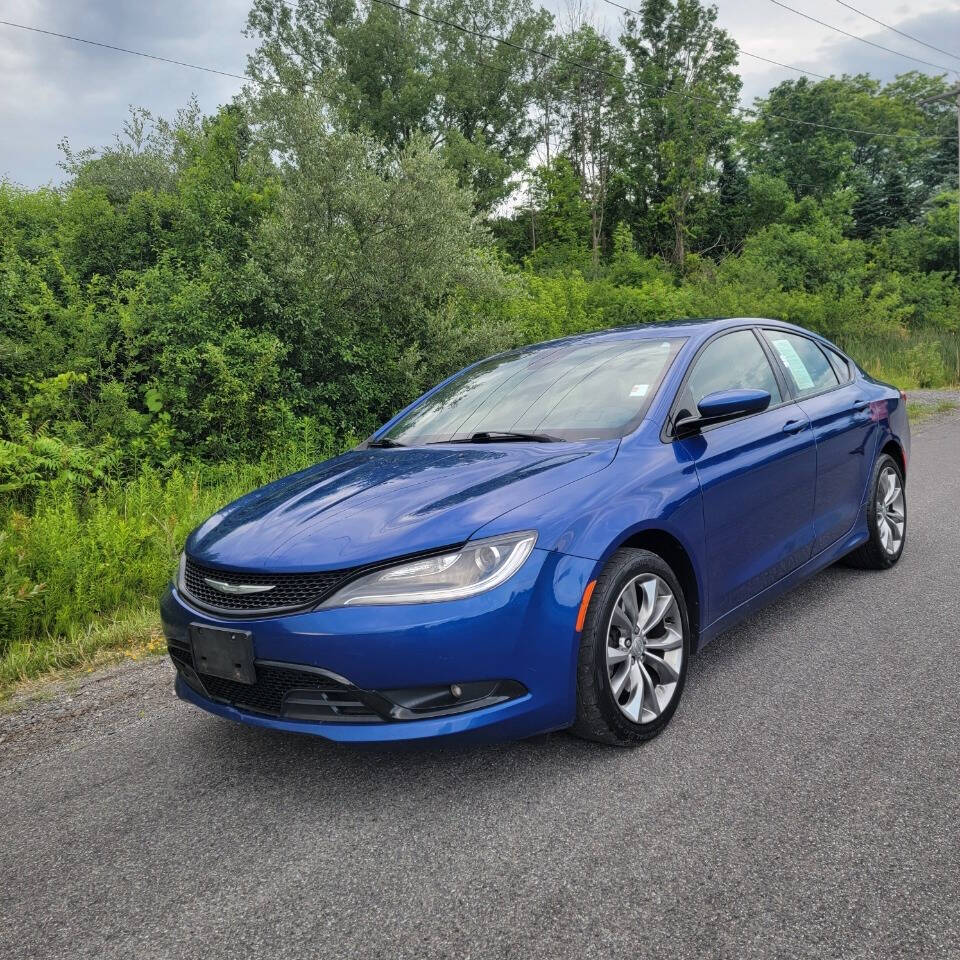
(791, 360)
(639, 390)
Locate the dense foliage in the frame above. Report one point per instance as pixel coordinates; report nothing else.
(213, 301)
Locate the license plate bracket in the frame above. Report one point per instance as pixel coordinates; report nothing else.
(219, 652)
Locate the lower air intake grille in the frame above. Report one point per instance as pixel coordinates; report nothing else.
(282, 692)
(288, 591)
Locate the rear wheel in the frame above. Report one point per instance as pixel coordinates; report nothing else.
(633, 651)
(886, 518)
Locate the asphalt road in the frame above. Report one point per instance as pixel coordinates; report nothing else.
(805, 802)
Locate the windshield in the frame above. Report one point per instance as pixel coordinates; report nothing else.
(597, 389)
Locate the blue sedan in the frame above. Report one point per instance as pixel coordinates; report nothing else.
(544, 539)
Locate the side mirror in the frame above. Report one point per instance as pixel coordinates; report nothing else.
(723, 405)
(733, 403)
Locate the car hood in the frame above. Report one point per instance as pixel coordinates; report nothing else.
(370, 505)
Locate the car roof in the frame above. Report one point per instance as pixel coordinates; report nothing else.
(695, 328)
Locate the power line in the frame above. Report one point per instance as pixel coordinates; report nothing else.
(481, 35)
(756, 56)
(853, 36)
(749, 111)
(545, 55)
(135, 53)
(599, 71)
(922, 43)
(777, 63)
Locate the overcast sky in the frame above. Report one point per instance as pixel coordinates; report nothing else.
(52, 88)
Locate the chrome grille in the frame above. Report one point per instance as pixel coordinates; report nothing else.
(290, 591)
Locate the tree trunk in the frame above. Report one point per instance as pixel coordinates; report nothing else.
(679, 237)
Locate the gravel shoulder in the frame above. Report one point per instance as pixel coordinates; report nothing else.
(934, 396)
(64, 713)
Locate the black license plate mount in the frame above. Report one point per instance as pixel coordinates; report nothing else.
(224, 653)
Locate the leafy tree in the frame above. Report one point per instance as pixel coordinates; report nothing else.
(681, 89)
(563, 218)
(893, 176)
(395, 77)
(743, 204)
(147, 155)
(814, 161)
(371, 242)
(588, 117)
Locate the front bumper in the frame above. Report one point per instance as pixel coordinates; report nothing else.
(519, 639)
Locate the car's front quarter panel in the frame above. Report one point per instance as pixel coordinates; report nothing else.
(650, 486)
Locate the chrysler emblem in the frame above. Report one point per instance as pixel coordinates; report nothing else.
(238, 588)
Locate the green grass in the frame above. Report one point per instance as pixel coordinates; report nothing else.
(930, 358)
(128, 634)
(920, 412)
(79, 573)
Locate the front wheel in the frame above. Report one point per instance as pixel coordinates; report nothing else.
(886, 518)
(633, 651)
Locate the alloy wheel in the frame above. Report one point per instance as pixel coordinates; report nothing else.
(891, 517)
(644, 648)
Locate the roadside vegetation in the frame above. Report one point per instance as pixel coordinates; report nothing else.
(920, 412)
(214, 301)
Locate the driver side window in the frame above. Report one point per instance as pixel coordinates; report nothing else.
(735, 361)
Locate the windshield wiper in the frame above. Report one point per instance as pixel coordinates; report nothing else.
(385, 442)
(506, 436)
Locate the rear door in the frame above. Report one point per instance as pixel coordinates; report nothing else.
(757, 474)
(845, 429)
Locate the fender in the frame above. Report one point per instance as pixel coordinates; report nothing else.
(649, 488)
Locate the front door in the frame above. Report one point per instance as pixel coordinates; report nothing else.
(757, 475)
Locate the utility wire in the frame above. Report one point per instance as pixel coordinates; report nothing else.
(496, 39)
(751, 112)
(660, 91)
(479, 34)
(746, 53)
(853, 36)
(777, 63)
(923, 43)
(135, 53)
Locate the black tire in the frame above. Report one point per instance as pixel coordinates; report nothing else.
(599, 717)
(872, 555)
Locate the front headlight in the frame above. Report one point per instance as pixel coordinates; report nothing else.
(481, 565)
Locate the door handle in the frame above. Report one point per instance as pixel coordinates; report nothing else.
(794, 426)
(860, 407)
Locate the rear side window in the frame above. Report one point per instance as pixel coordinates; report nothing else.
(804, 362)
(731, 362)
(840, 364)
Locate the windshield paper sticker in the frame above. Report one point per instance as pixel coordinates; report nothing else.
(639, 390)
(791, 360)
